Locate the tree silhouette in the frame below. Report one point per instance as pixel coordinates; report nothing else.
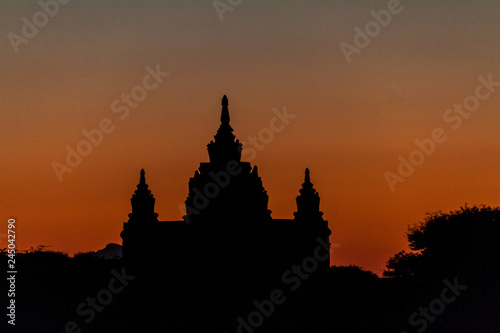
(462, 245)
(465, 242)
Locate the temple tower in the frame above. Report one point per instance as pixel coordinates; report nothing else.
(226, 191)
(143, 203)
(310, 220)
(138, 233)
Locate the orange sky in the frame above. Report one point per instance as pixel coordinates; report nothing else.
(352, 121)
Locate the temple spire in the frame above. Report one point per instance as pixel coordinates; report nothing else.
(143, 203)
(308, 201)
(224, 116)
(224, 148)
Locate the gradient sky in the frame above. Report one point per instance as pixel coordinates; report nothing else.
(352, 121)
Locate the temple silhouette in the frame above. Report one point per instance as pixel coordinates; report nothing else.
(227, 244)
(227, 217)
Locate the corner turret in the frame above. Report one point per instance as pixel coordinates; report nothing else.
(308, 201)
(143, 203)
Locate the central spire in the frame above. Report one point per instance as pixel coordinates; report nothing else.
(142, 180)
(224, 148)
(224, 116)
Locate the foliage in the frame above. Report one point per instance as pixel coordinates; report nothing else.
(465, 240)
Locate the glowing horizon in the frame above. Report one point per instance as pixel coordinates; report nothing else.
(355, 115)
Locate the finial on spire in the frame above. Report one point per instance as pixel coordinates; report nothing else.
(143, 178)
(307, 178)
(224, 117)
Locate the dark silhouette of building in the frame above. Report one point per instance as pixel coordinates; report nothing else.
(227, 250)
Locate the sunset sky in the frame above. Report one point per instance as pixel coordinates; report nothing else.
(353, 119)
